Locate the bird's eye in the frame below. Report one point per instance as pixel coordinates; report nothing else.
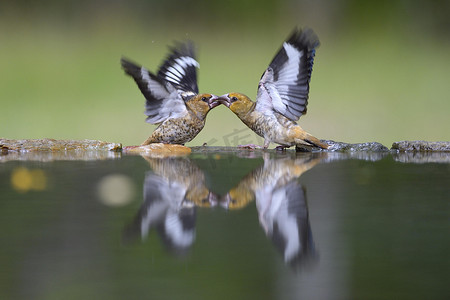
(204, 99)
(234, 99)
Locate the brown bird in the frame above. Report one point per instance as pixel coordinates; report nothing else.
(282, 95)
(281, 204)
(172, 99)
(173, 190)
(273, 174)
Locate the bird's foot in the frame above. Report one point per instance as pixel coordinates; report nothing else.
(281, 148)
(250, 146)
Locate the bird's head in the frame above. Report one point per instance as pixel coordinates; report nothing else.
(206, 199)
(201, 104)
(238, 103)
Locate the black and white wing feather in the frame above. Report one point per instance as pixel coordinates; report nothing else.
(286, 220)
(180, 68)
(163, 210)
(163, 100)
(175, 222)
(284, 86)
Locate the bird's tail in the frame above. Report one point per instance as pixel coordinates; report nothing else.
(304, 138)
(316, 142)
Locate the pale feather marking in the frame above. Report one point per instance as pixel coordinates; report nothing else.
(175, 230)
(287, 76)
(153, 86)
(173, 107)
(172, 75)
(272, 94)
(180, 64)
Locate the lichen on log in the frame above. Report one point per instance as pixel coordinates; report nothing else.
(52, 145)
(421, 146)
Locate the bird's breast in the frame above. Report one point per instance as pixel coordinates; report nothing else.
(270, 128)
(179, 130)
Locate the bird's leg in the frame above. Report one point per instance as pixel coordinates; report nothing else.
(281, 148)
(253, 146)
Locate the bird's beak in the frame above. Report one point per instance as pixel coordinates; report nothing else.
(225, 201)
(213, 101)
(225, 100)
(213, 199)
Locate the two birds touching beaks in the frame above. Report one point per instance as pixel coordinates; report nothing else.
(174, 103)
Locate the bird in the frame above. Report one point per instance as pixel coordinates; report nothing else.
(172, 191)
(172, 98)
(282, 95)
(272, 174)
(281, 204)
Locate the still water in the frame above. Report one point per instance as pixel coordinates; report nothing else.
(225, 225)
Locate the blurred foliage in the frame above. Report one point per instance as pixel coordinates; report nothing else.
(235, 13)
(380, 74)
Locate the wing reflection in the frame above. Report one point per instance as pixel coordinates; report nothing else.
(176, 187)
(285, 220)
(281, 204)
(171, 193)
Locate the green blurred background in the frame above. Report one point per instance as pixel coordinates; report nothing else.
(381, 73)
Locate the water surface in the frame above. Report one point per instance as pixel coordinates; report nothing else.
(225, 225)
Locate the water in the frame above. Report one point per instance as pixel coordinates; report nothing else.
(321, 227)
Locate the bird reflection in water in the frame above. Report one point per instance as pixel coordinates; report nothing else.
(171, 193)
(281, 204)
(176, 186)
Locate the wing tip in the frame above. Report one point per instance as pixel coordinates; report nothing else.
(182, 48)
(303, 38)
(129, 66)
(177, 50)
(187, 80)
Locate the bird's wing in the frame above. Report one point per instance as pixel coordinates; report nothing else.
(163, 101)
(180, 68)
(162, 200)
(284, 86)
(293, 229)
(286, 222)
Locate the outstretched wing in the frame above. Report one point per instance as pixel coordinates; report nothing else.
(284, 86)
(163, 101)
(180, 68)
(284, 216)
